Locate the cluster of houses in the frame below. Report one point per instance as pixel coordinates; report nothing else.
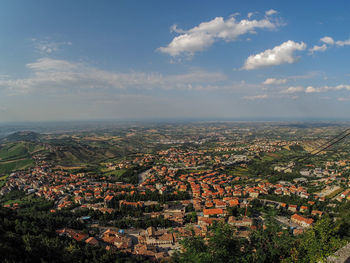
(126, 164)
(211, 191)
(151, 242)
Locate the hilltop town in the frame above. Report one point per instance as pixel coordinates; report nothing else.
(185, 180)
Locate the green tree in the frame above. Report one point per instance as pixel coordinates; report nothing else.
(318, 242)
(221, 246)
(269, 245)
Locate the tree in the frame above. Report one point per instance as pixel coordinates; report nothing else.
(318, 242)
(221, 246)
(269, 245)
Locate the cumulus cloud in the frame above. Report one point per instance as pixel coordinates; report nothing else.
(316, 48)
(270, 12)
(339, 43)
(327, 40)
(311, 89)
(292, 90)
(343, 43)
(273, 81)
(59, 75)
(47, 46)
(282, 54)
(205, 34)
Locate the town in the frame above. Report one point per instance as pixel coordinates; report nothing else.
(146, 202)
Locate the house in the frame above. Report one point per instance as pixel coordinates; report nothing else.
(283, 205)
(72, 233)
(78, 200)
(145, 250)
(92, 241)
(117, 238)
(109, 200)
(206, 221)
(132, 204)
(316, 213)
(254, 194)
(220, 204)
(304, 195)
(303, 221)
(292, 208)
(244, 222)
(214, 212)
(345, 193)
(156, 238)
(233, 202)
(303, 208)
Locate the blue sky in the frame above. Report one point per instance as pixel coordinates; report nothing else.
(81, 60)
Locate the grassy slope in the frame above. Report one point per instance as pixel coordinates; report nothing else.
(72, 151)
(17, 155)
(13, 151)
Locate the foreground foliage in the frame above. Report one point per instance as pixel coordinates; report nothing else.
(265, 245)
(28, 235)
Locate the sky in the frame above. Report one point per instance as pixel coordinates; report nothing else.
(199, 59)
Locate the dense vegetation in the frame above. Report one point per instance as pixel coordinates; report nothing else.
(264, 245)
(28, 235)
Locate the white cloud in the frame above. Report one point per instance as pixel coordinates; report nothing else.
(282, 54)
(318, 48)
(292, 90)
(47, 46)
(205, 34)
(343, 43)
(175, 29)
(250, 14)
(342, 86)
(58, 75)
(272, 81)
(327, 40)
(330, 41)
(48, 64)
(270, 12)
(311, 89)
(256, 97)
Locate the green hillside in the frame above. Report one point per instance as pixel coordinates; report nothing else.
(67, 151)
(13, 151)
(18, 155)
